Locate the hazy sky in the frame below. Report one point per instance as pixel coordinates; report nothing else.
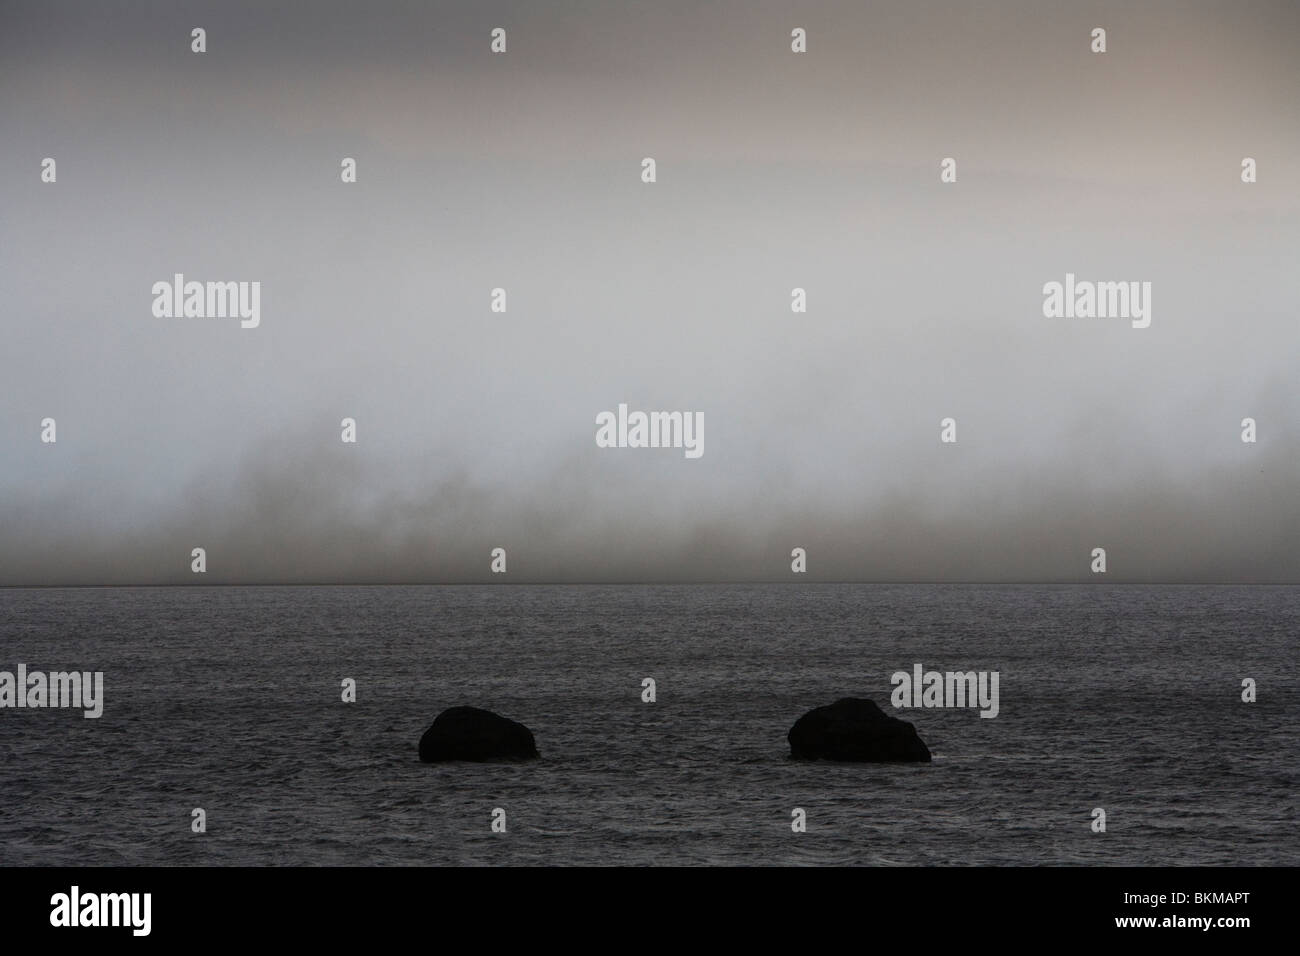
(775, 170)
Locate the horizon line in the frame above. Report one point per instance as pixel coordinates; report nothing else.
(663, 583)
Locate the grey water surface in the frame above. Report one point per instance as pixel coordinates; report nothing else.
(1126, 698)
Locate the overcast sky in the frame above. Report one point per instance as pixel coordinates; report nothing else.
(775, 170)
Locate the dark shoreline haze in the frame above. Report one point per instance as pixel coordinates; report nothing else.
(312, 521)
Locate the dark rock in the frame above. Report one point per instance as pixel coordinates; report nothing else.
(854, 728)
(468, 733)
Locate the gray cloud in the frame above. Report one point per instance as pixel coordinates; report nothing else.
(324, 516)
(775, 171)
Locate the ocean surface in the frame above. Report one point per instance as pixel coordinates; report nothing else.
(1126, 698)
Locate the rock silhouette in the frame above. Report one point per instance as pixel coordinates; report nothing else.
(855, 729)
(469, 733)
